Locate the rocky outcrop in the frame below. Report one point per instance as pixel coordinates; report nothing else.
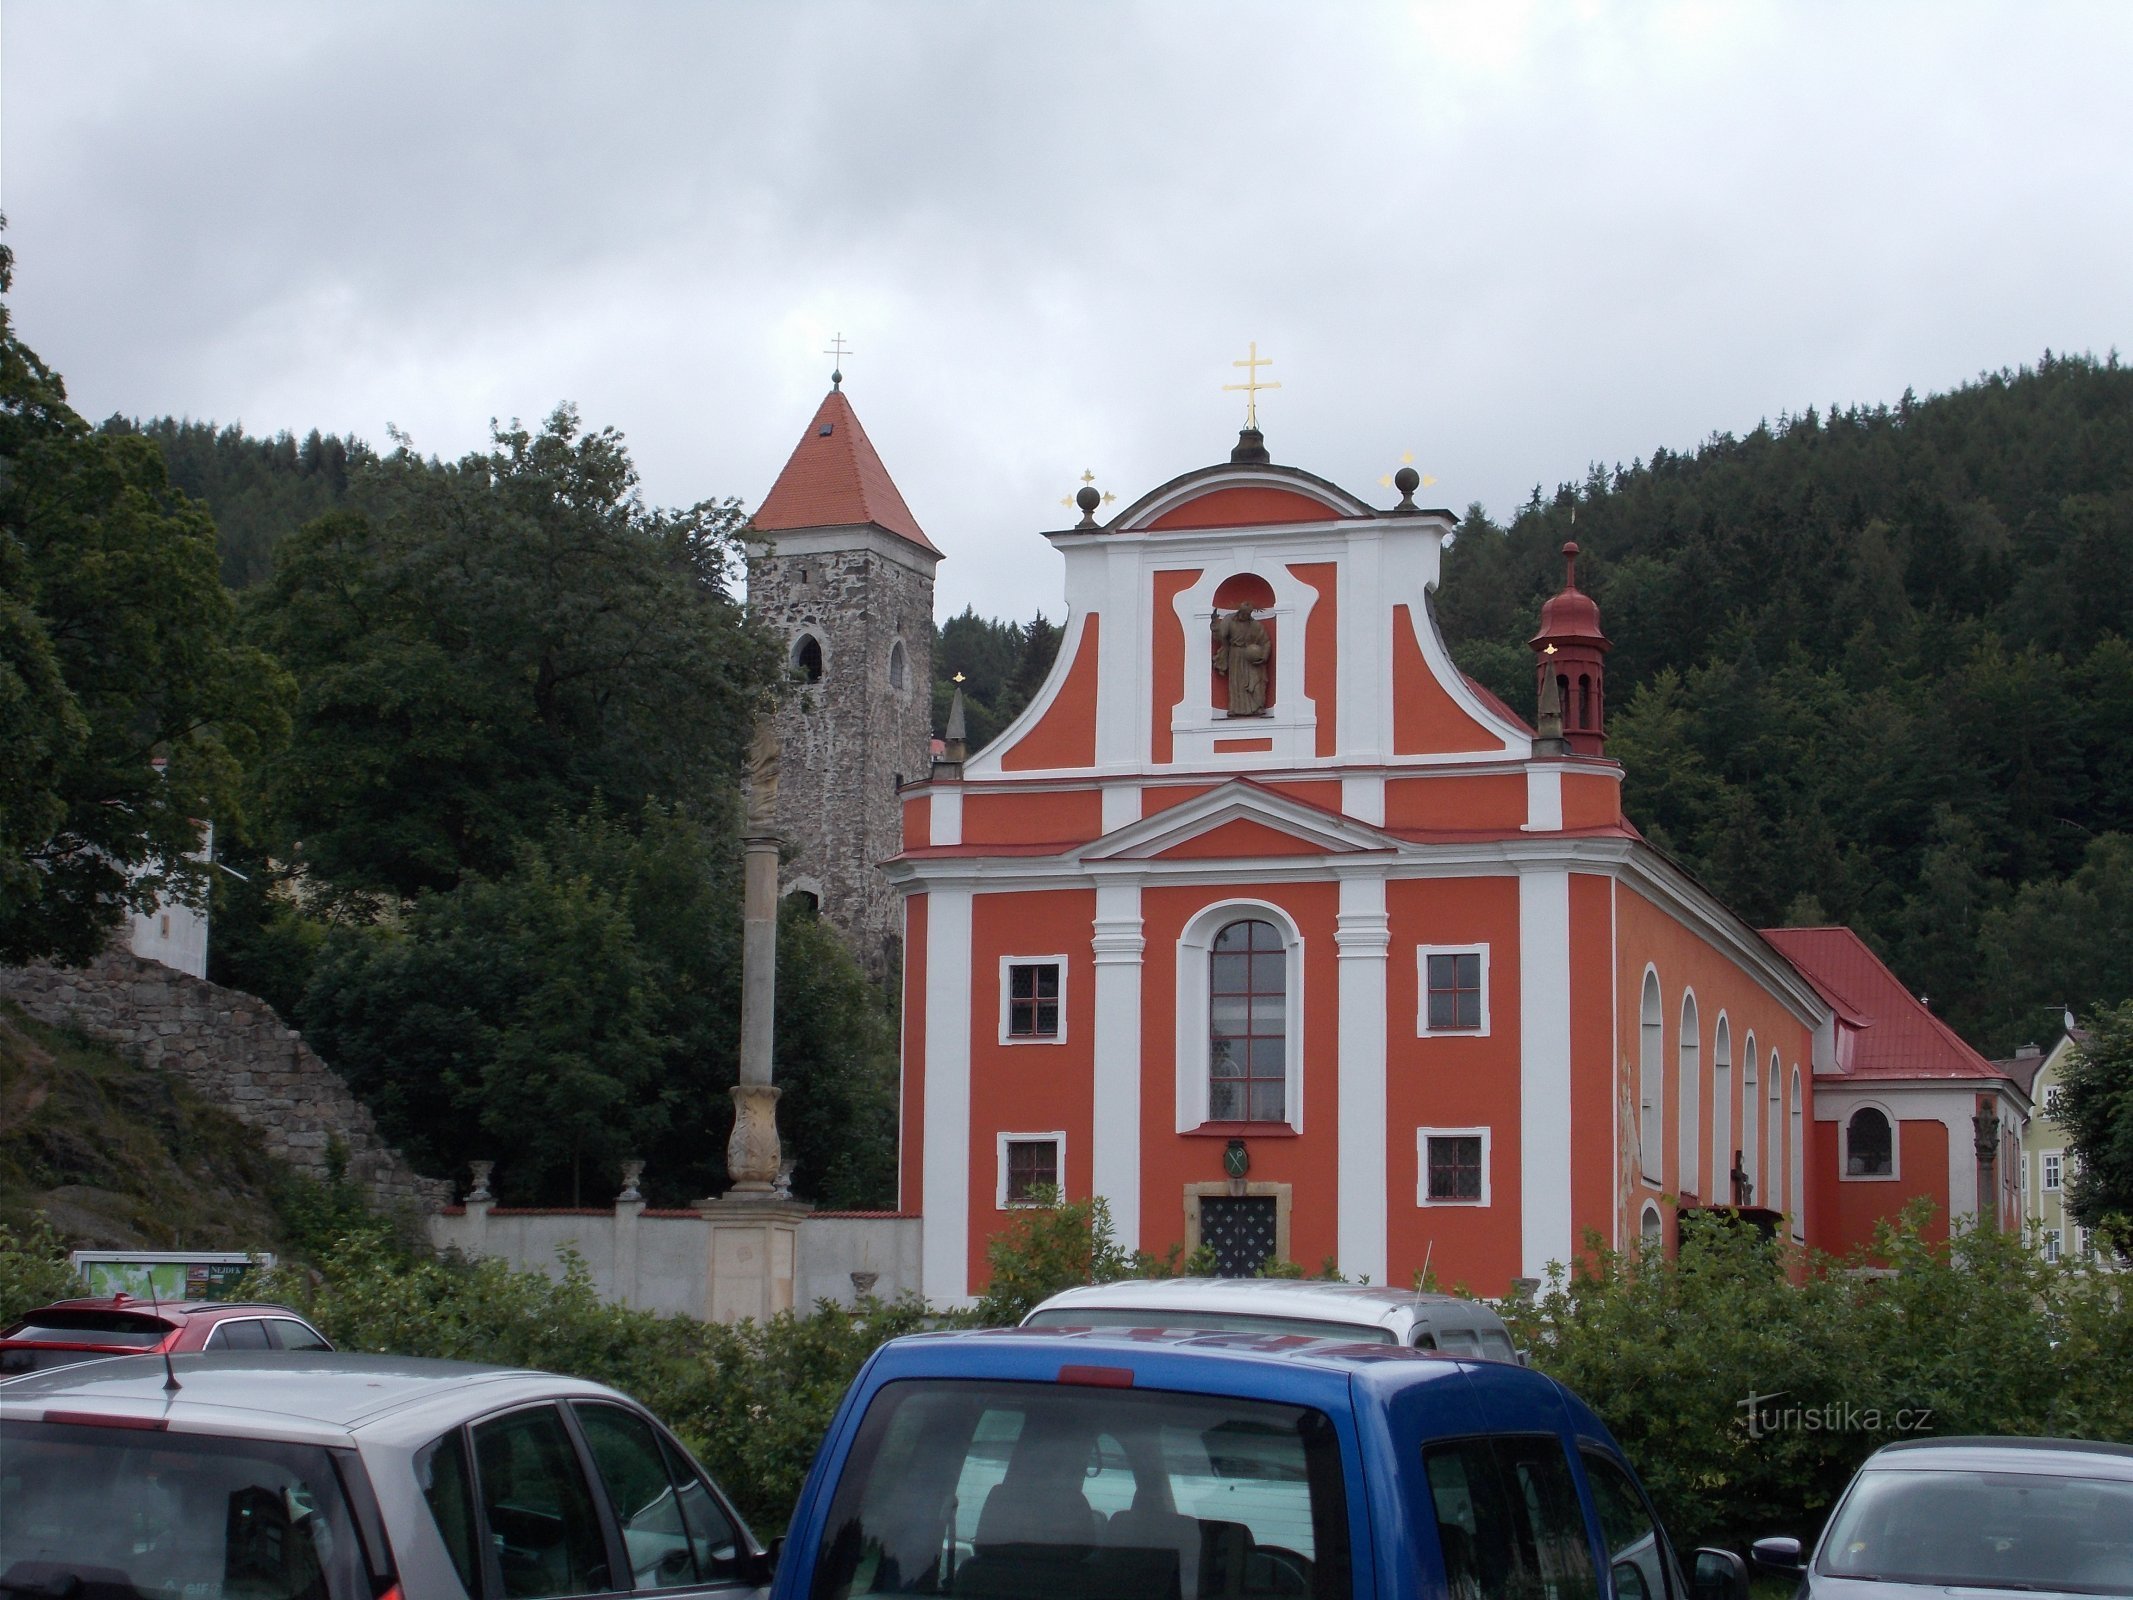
(236, 1052)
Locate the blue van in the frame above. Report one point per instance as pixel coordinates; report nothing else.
(1103, 1464)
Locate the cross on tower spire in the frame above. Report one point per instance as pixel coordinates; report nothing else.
(1251, 386)
(838, 350)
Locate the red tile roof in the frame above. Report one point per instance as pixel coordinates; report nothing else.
(835, 480)
(1882, 1030)
(1490, 698)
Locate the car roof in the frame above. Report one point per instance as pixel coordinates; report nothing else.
(2071, 1458)
(178, 1309)
(318, 1397)
(994, 1352)
(1270, 1296)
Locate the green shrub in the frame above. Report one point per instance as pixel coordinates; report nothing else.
(1835, 1358)
(34, 1270)
(1057, 1244)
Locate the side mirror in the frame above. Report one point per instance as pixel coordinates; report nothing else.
(1719, 1575)
(1778, 1554)
(763, 1568)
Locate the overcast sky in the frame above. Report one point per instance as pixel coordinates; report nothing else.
(1511, 239)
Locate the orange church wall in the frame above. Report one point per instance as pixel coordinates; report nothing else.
(1245, 508)
(911, 1140)
(1324, 793)
(1046, 817)
(1591, 801)
(918, 821)
(1452, 1083)
(1239, 839)
(1425, 719)
(1154, 799)
(1027, 1088)
(1309, 1163)
(1845, 1213)
(1684, 959)
(1493, 800)
(1167, 680)
(1321, 649)
(1065, 735)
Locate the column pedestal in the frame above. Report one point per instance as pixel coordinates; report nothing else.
(755, 1254)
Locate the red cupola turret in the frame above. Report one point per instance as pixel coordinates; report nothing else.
(1572, 660)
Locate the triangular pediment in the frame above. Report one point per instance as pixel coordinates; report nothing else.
(1239, 496)
(1238, 819)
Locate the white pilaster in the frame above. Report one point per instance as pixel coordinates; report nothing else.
(1544, 799)
(944, 817)
(1122, 804)
(1364, 799)
(1362, 934)
(1115, 1114)
(944, 1250)
(1544, 1069)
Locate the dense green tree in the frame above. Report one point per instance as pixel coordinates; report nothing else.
(127, 710)
(2097, 1112)
(484, 644)
(1870, 662)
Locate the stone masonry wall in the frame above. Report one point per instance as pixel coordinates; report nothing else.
(849, 739)
(235, 1052)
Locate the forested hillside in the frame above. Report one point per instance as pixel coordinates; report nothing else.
(1872, 667)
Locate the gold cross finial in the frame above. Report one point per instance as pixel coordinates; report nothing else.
(838, 350)
(1251, 386)
(1088, 476)
(958, 677)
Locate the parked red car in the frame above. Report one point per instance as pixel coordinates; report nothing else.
(82, 1330)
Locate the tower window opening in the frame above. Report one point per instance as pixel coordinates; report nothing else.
(807, 657)
(1584, 702)
(897, 672)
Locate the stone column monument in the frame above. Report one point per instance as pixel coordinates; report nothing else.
(755, 1232)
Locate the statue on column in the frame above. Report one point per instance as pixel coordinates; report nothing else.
(1242, 646)
(763, 779)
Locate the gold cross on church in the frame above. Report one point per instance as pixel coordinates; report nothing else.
(1251, 386)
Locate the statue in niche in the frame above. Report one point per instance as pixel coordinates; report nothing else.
(1242, 646)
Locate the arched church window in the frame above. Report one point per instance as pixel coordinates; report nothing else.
(896, 665)
(1651, 1232)
(1247, 1035)
(1691, 1088)
(807, 657)
(1723, 1149)
(1751, 1149)
(1584, 701)
(1651, 1075)
(1869, 1145)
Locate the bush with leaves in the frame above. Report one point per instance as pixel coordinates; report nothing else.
(34, 1270)
(1747, 1380)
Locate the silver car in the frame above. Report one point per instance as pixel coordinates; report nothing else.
(1926, 1517)
(345, 1477)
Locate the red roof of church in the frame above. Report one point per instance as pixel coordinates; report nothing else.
(1882, 1030)
(835, 480)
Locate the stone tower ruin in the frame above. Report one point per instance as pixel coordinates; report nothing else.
(843, 575)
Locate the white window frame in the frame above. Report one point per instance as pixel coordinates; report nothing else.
(1057, 1136)
(2051, 1167)
(1722, 1146)
(1195, 978)
(2054, 1094)
(1844, 1144)
(1422, 1139)
(1688, 1089)
(1007, 964)
(2051, 1244)
(1422, 954)
(1651, 1078)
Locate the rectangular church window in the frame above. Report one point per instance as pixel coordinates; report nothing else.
(1033, 1000)
(1454, 999)
(1453, 1168)
(1032, 1166)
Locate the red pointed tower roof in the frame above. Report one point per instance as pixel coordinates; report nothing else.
(835, 480)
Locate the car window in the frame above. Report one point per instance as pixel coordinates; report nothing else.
(293, 1335)
(1424, 1339)
(1016, 1491)
(91, 1327)
(448, 1490)
(1636, 1555)
(651, 1504)
(718, 1543)
(538, 1506)
(1509, 1524)
(240, 1333)
(1941, 1527)
(1460, 1341)
(135, 1511)
(1497, 1346)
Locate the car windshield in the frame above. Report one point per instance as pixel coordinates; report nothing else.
(1988, 1530)
(91, 1327)
(1033, 1491)
(108, 1513)
(1212, 1321)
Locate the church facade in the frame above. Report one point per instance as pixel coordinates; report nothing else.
(1271, 928)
